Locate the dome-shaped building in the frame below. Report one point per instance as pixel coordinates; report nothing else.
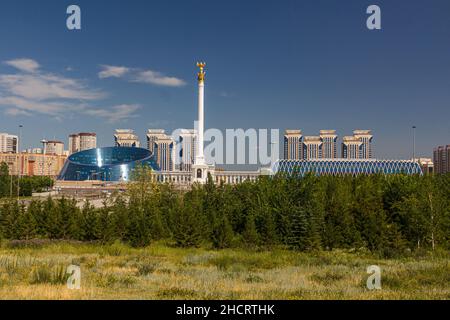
(106, 164)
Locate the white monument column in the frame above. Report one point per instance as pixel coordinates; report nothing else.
(200, 159)
(200, 169)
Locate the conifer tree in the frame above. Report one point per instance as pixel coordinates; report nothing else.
(138, 234)
(12, 229)
(250, 234)
(68, 213)
(88, 223)
(120, 219)
(154, 221)
(105, 224)
(26, 224)
(298, 229)
(52, 219)
(4, 180)
(222, 235)
(2, 218)
(188, 227)
(369, 211)
(40, 218)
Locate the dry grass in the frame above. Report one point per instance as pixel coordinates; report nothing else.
(161, 272)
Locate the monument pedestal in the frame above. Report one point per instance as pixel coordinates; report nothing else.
(200, 173)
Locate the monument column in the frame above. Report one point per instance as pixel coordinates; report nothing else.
(200, 169)
(200, 159)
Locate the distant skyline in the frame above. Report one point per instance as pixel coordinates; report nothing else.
(308, 65)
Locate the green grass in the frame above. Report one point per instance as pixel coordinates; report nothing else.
(117, 271)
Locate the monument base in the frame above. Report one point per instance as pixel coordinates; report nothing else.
(200, 173)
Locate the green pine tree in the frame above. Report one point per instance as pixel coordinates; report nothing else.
(222, 236)
(26, 224)
(5, 180)
(250, 234)
(188, 222)
(89, 226)
(298, 230)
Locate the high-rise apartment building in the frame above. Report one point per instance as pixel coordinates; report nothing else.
(82, 141)
(293, 145)
(358, 146)
(312, 147)
(366, 137)
(126, 138)
(88, 140)
(441, 159)
(426, 164)
(329, 144)
(8, 143)
(74, 143)
(324, 146)
(33, 164)
(186, 150)
(164, 153)
(163, 148)
(54, 147)
(351, 147)
(152, 136)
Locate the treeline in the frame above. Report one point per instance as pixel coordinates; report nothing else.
(385, 214)
(28, 185)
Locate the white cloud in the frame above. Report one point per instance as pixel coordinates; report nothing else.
(116, 113)
(31, 92)
(158, 78)
(47, 107)
(47, 86)
(26, 65)
(57, 110)
(112, 72)
(17, 112)
(140, 76)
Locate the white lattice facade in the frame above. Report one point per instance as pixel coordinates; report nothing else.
(346, 167)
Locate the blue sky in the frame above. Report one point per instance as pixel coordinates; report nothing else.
(271, 64)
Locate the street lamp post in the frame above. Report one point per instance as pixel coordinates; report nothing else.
(414, 143)
(20, 162)
(10, 181)
(44, 151)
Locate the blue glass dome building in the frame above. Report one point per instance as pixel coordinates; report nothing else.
(106, 164)
(346, 167)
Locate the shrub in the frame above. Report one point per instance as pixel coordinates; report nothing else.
(117, 249)
(45, 274)
(145, 268)
(116, 281)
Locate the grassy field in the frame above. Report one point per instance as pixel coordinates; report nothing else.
(161, 272)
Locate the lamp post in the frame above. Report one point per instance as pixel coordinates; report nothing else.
(414, 143)
(20, 162)
(44, 151)
(10, 180)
